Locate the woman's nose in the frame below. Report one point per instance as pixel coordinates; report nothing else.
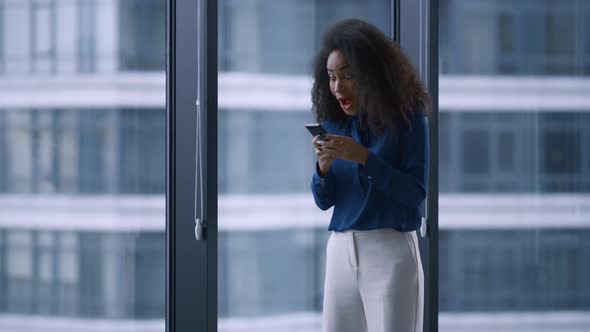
(338, 86)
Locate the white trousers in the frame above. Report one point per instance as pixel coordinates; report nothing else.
(374, 282)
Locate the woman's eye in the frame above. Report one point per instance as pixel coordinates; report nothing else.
(349, 76)
(332, 78)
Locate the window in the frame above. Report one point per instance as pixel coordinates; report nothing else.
(514, 38)
(94, 133)
(2, 57)
(19, 151)
(82, 167)
(142, 35)
(69, 151)
(87, 35)
(476, 153)
(506, 151)
(141, 164)
(19, 272)
(511, 233)
(43, 36)
(501, 154)
(562, 155)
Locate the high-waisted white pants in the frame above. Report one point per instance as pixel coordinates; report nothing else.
(374, 282)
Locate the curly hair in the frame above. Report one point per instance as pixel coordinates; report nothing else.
(388, 89)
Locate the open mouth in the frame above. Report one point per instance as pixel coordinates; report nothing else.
(345, 103)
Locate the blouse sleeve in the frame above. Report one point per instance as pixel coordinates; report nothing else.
(322, 188)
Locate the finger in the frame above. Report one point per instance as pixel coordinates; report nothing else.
(339, 141)
(320, 153)
(333, 146)
(319, 144)
(330, 153)
(335, 153)
(317, 138)
(330, 144)
(333, 137)
(314, 140)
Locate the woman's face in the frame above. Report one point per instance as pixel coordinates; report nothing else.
(342, 84)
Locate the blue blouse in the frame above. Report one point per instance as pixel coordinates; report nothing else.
(389, 191)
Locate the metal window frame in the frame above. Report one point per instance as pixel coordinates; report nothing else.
(191, 266)
(432, 309)
(406, 14)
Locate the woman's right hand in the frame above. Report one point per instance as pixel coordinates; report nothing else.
(324, 160)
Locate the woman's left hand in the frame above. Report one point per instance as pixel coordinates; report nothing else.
(344, 147)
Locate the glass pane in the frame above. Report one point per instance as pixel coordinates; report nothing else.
(514, 205)
(489, 37)
(82, 200)
(272, 237)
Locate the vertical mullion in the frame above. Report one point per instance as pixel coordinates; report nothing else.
(396, 21)
(56, 148)
(54, 254)
(211, 125)
(35, 280)
(191, 264)
(433, 307)
(34, 123)
(417, 32)
(170, 296)
(33, 37)
(53, 36)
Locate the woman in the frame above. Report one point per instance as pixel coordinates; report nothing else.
(373, 169)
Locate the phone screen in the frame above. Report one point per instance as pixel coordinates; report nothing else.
(316, 129)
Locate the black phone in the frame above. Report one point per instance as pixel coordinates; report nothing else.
(316, 129)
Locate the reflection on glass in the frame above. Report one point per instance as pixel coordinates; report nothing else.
(272, 237)
(82, 165)
(514, 172)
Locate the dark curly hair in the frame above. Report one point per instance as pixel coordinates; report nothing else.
(388, 89)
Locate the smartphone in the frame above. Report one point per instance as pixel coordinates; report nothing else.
(316, 129)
